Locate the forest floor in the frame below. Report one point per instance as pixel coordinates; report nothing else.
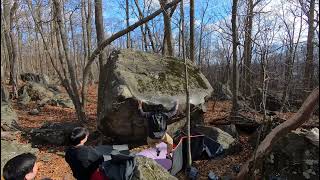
(53, 165)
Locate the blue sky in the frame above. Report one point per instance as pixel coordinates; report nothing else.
(114, 12)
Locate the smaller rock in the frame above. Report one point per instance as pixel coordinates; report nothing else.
(10, 149)
(34, 112)
(9, 118)
(306, 175)
(46, 158)
(147, 169)
(212, 176)
(310, 162)
(60, 153)
(4, 94)
(236, 168)
(229, 144)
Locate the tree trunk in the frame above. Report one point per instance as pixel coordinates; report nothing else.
(72, 89)
(192, 58)
(189, 159)
(234, 58)
(11, 40)
(102, 61)
(281, 130)
(127, 20)
(84, 32)
(167, 41)
(308, 73)
(247, 52)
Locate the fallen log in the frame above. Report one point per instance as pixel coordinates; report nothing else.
(284, 128)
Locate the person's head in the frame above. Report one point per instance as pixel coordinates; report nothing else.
(158, 108)
(79, 136)
(21, 167)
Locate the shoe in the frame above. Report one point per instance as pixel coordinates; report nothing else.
(168, 156)
(158, 152)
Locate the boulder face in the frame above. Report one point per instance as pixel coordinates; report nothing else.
(133, 75)
(10, 149)
(53, 133)
(37, 78)
(149, 169)
(293, 157)
(9, 118)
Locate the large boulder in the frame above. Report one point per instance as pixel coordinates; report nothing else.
(53, 133)
(147, 168)
(9, 118)
(293, 157)
(228, 143)
(133, 75)
(36, 91)
(33, 77)
(4, 94)
(10, 149)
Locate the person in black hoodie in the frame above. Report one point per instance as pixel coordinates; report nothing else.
(83, 160)
(157, 126)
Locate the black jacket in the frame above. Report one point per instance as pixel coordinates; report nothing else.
(166, 116)
(83, 160)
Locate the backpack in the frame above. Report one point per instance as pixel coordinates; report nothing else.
(120, 166)
(157, 125)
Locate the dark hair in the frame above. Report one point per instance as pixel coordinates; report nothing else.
(78, 134)
(158, 108)
(18, 167)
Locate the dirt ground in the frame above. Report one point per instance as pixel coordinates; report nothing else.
(54, 166)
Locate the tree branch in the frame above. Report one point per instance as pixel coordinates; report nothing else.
(284, 128)
(115, 36)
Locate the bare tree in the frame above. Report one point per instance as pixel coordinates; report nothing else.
(168, 48)
(127, 20)
(189, 159)
(192, 54)
(281, 130)
(70, 85)
(146, 26)
(102, 61)
(235, 43)
(291, 39)
(308, 72)
(10, 37)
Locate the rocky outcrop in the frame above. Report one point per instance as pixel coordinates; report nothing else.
(36, 91)
(131, 76)
(10, 149)
(293, 157)
(229, 144)
(147, 169)
(52, 133)
(9, 118)
(43, 94)
(4, 94)
(37, 78)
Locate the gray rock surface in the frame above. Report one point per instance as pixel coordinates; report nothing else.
(147, 169)
(34, 112)
(9, 118)
(33, 77)
(4, 94)
(10, 149)
(293, 157)
(36, 91)
(43, 94)
(226, 140)
(52, 133)
(133, 75)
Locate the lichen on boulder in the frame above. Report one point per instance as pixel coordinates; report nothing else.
(134, 75)
(149, 169)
